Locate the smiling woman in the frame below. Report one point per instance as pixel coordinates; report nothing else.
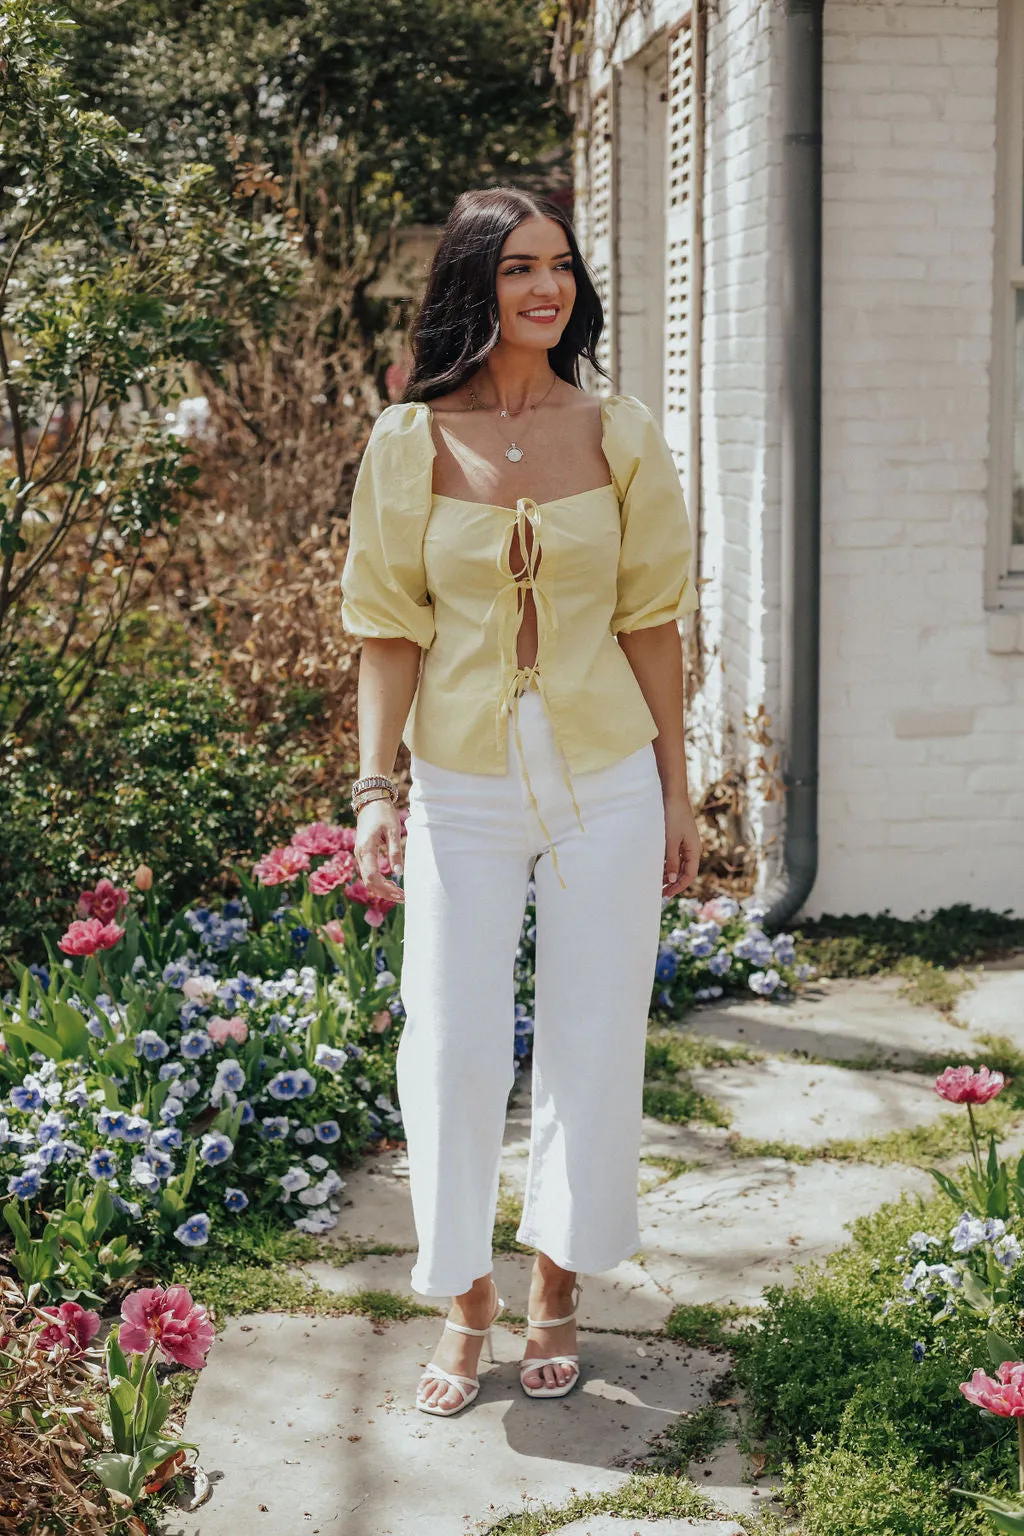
(519, 556)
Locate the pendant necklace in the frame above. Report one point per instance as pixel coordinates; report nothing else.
(514, 451)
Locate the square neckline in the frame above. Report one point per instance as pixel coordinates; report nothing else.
(553, 501)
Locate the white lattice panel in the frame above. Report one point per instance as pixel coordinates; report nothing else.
(601, 214)
(682, 266)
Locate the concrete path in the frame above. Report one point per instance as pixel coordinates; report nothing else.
(306, 1424)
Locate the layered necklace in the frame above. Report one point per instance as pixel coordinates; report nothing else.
(514, 451)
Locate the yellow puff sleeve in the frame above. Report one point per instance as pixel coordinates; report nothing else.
(383, 585)
(655, 580)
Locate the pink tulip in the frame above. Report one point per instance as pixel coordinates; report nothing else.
(1004, 1396)
(382, 1022)
(171, 1320)
(88, 937)
(962, 1085)
(280, 866)
(221, 1030)
(335, 872)
(106, 902)
(334, 931)
(72, 1327)
(322, 838)
(143, 878)
(375, 906)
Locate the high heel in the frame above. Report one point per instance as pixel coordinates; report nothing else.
(529, 1366)
(468, 1386)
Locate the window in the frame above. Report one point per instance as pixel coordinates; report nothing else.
(1006, 544)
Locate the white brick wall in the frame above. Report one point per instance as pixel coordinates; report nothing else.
(922, 740)
(740, 359)
(922, 725)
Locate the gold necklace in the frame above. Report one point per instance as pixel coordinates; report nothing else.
(514, 452)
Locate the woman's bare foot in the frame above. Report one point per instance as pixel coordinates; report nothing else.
(459, 1353)
(551, 1295)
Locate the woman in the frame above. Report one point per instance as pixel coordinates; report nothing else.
(519, 556)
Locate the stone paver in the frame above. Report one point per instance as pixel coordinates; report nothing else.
(780, 1100)
(995, 1004)
(626, 1297)
(723, 1233)
(837, 1020)
(307, 1425)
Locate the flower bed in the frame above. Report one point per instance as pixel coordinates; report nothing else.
(230, 1060)
(866, 1377)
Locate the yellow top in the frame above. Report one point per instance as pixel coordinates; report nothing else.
(436, 570)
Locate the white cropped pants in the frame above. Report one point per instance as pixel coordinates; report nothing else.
(473, 840)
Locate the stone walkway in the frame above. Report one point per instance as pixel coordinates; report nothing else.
(305, 1424)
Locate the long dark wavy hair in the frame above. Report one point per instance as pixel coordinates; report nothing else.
(457, 324)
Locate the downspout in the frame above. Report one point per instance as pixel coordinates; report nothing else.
(801, 455)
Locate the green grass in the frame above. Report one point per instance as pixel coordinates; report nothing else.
(680, 1104)
(506, 1223)
(677, 1050)
(928, 985)
(920, 1146)
(867, 944)
(691, 1437)
(642, 1497)
(705, 1325)
(669, 1094)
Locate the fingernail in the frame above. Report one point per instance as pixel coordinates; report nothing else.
(398, 871)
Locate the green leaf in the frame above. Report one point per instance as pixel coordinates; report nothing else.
(117, 1365)
(113, 1471)
(1004, 1516)
(1000, 1348)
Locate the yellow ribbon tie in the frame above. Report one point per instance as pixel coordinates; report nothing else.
(519, 679)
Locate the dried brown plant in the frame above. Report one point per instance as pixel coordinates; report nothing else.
(49, 1422)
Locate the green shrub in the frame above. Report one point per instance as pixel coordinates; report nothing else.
(162, 770)
(878, 1431)
(844, 1493)
(864, 944)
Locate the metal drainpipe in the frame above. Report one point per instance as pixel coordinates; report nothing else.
(801, 455)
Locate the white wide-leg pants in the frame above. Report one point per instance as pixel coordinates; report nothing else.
(473, 840)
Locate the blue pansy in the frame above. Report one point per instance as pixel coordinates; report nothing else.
(24, 1096)
(275, 1127)
(150, 1045)
(102, 1164)
(25, 1185)
(327, 1131)
(666, 966)
(111, 1122)
(195, 1231)
(195, 1044)
(230, 1078)
(236, 1199)
(215, 1148)
(42, 975)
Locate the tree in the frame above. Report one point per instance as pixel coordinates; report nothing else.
(113, 278)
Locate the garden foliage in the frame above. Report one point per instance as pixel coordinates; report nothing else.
(115, 279)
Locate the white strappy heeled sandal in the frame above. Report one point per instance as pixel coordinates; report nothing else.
(529, 1366)
(468, 1386)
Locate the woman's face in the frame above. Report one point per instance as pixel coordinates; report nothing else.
(535, 286)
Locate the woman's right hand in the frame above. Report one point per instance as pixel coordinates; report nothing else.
(379, 838)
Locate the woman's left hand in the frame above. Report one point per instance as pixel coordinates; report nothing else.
(682, 846)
